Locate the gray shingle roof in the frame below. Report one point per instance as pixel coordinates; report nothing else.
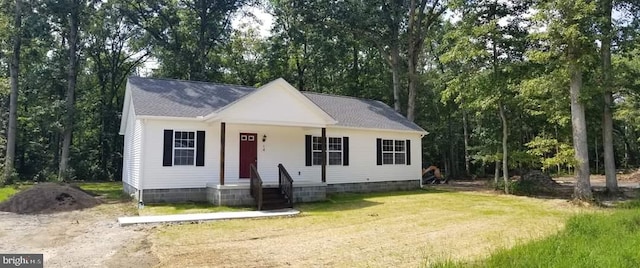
(361, 113)
(178, 98)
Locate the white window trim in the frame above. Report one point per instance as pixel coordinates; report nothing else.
(394, 151)
(313, 151)
(195, 147)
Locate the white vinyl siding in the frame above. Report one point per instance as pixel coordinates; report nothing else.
(283, 145)
(179, 176)
(362, 157)
(132, 156)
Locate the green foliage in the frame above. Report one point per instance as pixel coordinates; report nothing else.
(606, 239)
(551, 153)
(187, 37)
(495, 54)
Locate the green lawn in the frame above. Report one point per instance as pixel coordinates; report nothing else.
(185, 208)
(606, 239)
(399, 229)
(111, 191)
(7, 191)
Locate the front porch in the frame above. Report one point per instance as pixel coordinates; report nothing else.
(240, 194)
(228, 195)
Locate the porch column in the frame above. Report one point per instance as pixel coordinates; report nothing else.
(222, 143)
(324, 154)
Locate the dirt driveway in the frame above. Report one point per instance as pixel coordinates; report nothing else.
(87, 238)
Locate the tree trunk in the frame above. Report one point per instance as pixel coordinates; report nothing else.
(395, 73)
(496, 174)
(505, 152)
(70, 98)
(465, 131)
(411, 97)
(582, 190)
(14, 72)
(607, 117)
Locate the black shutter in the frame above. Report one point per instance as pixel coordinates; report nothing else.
(379, 152)
(345, 151)
(308, 153)
(167, 153)
(200, 148)
(408, 150)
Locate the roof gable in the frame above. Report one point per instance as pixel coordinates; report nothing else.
(276, 103)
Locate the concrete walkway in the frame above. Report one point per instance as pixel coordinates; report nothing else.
(123, 221)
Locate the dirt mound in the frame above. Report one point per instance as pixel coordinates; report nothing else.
(49, 198)
(535, 182)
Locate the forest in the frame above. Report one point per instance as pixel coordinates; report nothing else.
(501, 86)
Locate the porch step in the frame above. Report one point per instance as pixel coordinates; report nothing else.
(273, 199)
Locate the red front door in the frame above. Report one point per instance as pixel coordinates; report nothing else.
(248, 153)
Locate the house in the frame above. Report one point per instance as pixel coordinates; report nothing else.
(196, 141)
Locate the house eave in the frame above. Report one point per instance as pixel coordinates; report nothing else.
(273, 123)
(422, 133)
(171, 118)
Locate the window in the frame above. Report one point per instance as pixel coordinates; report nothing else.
(393, 152)
(317, 151)
(184, 148)
(334, 151)
(337, 149)
(400, 153)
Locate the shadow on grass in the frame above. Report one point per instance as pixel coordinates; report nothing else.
(187, 208)
(354, 201)
(109, 192)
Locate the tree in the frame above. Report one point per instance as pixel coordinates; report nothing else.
(72, 75)
(419, 23)
(14, 70)
(487, 54)
(570, 37)
(185, 36)
(110, 61)
(606, 7)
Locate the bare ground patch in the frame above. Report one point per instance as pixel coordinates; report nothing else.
(83, 238)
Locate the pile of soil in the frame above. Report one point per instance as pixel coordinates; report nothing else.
(538, 182)
(49, 198)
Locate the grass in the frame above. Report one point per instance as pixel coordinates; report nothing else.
(111, 191)
(184, 208)
(416, 228)
(7, 191)
(607, 239)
